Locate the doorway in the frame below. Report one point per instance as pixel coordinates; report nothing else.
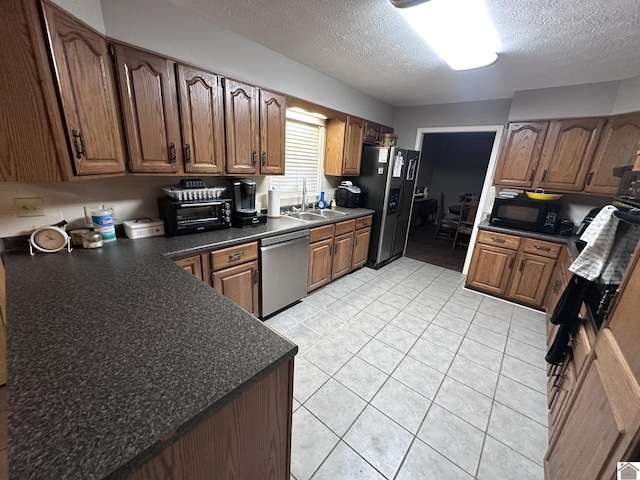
(453, 183)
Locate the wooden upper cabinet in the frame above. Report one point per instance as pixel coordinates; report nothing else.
(87, 89)
(617, 147)
(150, 110)
(272, 132)
(343, 149)
(567, 153)
(353, 146)
(242, 127)
(372, 132)
(202, 119)
(520, 153)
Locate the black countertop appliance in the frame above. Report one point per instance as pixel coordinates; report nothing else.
(245, 213)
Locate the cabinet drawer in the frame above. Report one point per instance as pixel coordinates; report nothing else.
(499, 239)
(228, 257)
(321, 233)
(345, 227)
(363, 222)
(538, 247)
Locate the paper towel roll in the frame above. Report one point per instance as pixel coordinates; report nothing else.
(273, 203)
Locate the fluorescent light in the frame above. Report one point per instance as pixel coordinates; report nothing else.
(459, 31)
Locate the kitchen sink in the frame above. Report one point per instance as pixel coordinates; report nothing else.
(327, 213)
(305, 216)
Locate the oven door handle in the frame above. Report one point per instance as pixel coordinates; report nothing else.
(208, 204)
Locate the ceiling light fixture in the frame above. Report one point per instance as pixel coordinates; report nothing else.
(459, 31)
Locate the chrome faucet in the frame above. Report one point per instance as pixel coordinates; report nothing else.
(304, 194)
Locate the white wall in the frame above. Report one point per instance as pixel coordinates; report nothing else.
(628, 98)
(89, 11)
(162, 27)
(587, 100)
(409, 119)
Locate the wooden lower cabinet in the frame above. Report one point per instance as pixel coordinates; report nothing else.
(342, 252)
(504, 266)
(360, 248)
(320, 263)
(249, 438)
(240, 284)
(193, 265)
(491, 269)
(531, 279)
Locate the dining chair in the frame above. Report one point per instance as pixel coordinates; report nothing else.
(445, 227)
(465, 221)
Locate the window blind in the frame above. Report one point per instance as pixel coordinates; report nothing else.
(303, 158)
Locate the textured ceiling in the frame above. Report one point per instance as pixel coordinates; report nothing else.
(367, 45)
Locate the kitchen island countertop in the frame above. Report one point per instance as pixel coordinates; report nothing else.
(111, 349)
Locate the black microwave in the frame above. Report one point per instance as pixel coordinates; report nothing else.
(181, 217)
(525, 214)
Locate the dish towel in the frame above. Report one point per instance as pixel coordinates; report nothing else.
(600, 236)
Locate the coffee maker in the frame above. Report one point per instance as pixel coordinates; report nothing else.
(244, 204)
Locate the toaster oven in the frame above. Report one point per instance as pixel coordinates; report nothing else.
(182, 217)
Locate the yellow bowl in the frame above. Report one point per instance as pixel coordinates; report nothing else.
(540, 195)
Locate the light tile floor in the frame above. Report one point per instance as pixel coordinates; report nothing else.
(404, 374)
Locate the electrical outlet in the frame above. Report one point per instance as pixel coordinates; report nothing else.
(113, 208)
(87, 212)
(29, 206)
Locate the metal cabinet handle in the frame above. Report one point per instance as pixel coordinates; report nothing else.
(172, 152)
(521, 265)
(236, 256)
(511, 263)
(79, 143)
(356, 242)
(498, 239)
(556, 286)
(540, 247)
(533, 173)
(345, 163)
(187, 153)
(330, 250)
(335, 248)
(544, 175)
(264, 159)
(254, 157)
(365, 223)
(256, 276)
(589, 178)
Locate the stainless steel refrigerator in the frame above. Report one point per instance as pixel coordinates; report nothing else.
(387, 179)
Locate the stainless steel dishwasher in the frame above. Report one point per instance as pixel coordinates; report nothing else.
(284, 263)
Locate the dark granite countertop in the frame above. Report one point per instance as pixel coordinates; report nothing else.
(111, 349)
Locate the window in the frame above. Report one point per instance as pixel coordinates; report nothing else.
(304, 157)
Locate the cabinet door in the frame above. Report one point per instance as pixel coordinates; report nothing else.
(360, 247)
(342, 254)
(372, 132)
(240, 285)
(519, 155)
(193, 265)
(202, 119)
(320, 263)
(558, 281)
(609, 397)
(87, 91)
(531, 279)
(150, 110)
(617, 147)
(567, 153)
(490, 269)
(33, 147)
(272, 132)
(353, 146)
(242, 132)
